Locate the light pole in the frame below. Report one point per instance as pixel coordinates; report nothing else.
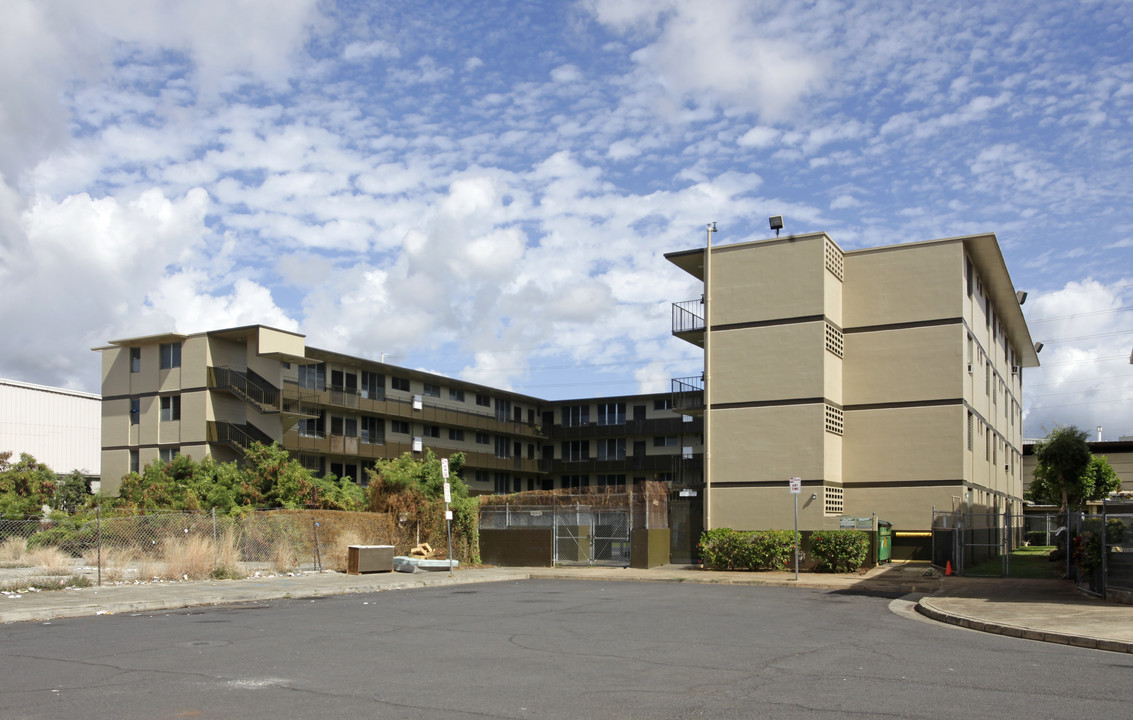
(707, 379)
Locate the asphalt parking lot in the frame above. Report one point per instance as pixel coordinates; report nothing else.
(546, 649)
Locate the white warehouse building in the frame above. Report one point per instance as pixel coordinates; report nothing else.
(60, 428)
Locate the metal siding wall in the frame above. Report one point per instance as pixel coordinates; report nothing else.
(61, 430)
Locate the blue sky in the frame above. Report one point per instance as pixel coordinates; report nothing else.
(487, 190)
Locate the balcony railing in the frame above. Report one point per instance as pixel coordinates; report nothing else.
(688, 316)
(258, 394)
(237, 437)
(391, 407)
(688, 393)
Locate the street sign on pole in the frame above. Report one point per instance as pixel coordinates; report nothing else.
(796, 488)
(448, 511)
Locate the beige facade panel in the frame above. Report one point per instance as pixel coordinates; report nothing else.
(193, 412)
(908, 508)
(280, 343)
(768, 363)
(195, 362)
(115, 371)
(767, 444)
(899, 445)
(782, 279)
(903, 284)
(116, 427)
(904, 365)
(768, 508)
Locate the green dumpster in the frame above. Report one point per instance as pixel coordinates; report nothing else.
(884, 542)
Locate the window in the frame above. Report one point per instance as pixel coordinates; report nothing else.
(313, 427)
(612, 449)
(503, 409)
(171, 408)
(133, 461)
(575, 482)
(665, 441)
(577, 450)
(686, 452)
(135, 359)
(502, 484)
(666, 404)
(399, 426)
(482, 438)
(373, 385)
(482, 476)
(576, 415)
(969, 430)
(617, 482)
(170, 355)
(455, 395)
(313, 377)
(432, 431)
(135, 410)
(456, 434)
(432, 390)
(351, 429)
(483, 400)
(612, 413)
(503, 447)
(396, 383)
(373, 430)
(167, 454)
(336, 425)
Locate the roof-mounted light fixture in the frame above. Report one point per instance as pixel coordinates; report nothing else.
(776, 223)
(1021, 296)
(1038, 348)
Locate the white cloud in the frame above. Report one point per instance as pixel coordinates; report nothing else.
(374, 49)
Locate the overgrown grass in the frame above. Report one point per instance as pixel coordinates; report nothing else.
(43, 583)
(1026, 563)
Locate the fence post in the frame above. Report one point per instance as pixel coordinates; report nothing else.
(98, 540)
(1105, 550)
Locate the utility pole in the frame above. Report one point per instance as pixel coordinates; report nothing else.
(707, 379)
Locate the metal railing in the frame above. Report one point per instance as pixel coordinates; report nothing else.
(688, 393)
(263, 397)
(688, 316)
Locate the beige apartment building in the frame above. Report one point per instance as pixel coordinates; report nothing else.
(215, 392)
(888, 380)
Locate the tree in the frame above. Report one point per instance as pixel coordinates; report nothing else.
(1067, 474)
(72, 493)
(25, 486)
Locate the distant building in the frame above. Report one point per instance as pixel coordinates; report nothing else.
(1118, 452)
(215, 392)
(60, 428)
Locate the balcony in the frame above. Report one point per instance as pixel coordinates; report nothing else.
(688, 395)
(653, 426)
(402, 408)
(688, 321)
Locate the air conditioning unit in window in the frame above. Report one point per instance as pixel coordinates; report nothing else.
(969, 368)
(1014, 369)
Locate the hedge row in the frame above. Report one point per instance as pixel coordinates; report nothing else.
(832, 550)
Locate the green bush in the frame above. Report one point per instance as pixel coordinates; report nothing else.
(727, 549)
(839, 550)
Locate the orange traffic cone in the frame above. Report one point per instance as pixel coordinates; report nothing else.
(948, 568)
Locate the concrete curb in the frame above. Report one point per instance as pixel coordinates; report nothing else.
(926, 607)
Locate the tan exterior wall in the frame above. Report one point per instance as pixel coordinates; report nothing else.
(780, 279)
(767, 444)
(914, 364)
(768, 508)
(195, 362)
(768, 363)
(899, 445)
(908, 508)
(903, 284)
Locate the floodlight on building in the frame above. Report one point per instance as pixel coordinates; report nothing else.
(1021, 296)
(1038, 348)
(776, 223)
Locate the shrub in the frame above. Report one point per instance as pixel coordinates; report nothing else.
(727, 549)
(839, 550)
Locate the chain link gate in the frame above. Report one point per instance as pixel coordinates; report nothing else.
(972, 542)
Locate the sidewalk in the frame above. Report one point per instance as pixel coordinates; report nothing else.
(1046, 610)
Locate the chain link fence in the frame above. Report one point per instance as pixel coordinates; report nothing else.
(161, 545)
(1101, 554)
